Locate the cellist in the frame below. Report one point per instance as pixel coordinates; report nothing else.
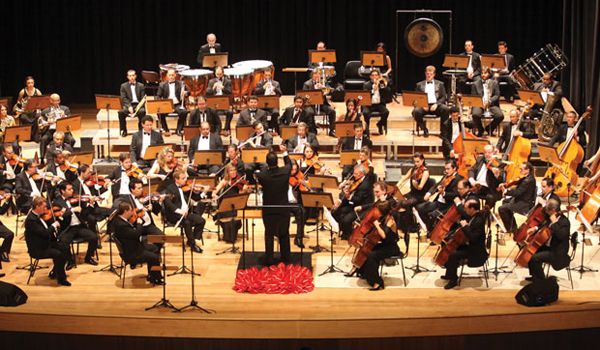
(511, 130)
(519, 199)
(555, 251)
(474, 251)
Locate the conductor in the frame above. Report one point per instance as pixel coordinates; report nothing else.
(274, 181)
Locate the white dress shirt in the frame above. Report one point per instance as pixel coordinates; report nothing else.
(430, 91)
(146, 137)
(134, 98)
(204, 143)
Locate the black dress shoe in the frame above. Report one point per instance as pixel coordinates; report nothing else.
(69, 265)
(2, 274)
(445, 278)
(4, 257)
(379, 287)
(380, 129)
(51, 275)
(196, 249)
(157, 282)
(298, 242)
(124, 133)
(451, 284)
(425, 132)
(64, 282)
(332, 133)
(91, 261)
(529, 279)
(351, 273)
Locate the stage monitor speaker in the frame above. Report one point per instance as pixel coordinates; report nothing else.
(11, 295)
(538, 293)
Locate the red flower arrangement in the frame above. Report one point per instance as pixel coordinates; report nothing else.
(276, 279)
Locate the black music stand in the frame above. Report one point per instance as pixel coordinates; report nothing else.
(416, 269)
(581, 268)
(319, 200)
(213, 60)
(162, 239)
(108, 102)
(232, 203)
(322, 182)
(499, 229)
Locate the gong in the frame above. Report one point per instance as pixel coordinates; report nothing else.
(423, 37)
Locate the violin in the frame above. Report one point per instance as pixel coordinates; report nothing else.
(66, 167)
(238, 182)
(314, 163)
(195, 187)
(298, 181)
(135, 172)
(138, 214)
(154, 197)
(417, 173)
(52, 213)
(85, 198)
(96, 180)
(15, 160)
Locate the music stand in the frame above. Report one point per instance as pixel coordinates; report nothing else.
(416, 269)
(218, 102)
(496, 62)
(415, 99)
(107, 102)
(288, 131)
(344, 129)
(255, 155)
(323, 182)
(296, 156)
(231, 203)
(81, 158)
(321, 56)
(153, 150)
(472, 101)
(318, 201)
(362, 96)
(349, 157)
(212, 60)
(69, 123)
(208, 157)
(17, 133)
(532, 97)
(312, 97)
(162, 240)
(455, 61)
(266, 102)
(372, 58)
(38, 102)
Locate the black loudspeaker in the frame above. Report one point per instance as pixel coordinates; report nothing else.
(538, 293)
(11, 295)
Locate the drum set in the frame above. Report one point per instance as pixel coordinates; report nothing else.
(244, 76)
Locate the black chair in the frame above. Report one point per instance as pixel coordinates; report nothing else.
(151, 79)
(396, 259)
(484, 266)
(34, 266)
(352, 78)
(124, 261)
(574, 243)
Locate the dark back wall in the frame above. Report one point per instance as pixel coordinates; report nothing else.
(79, 48)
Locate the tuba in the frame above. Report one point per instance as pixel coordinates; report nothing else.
(550, 121)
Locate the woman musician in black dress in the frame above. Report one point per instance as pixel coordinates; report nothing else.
(232, 183)
(419, 180)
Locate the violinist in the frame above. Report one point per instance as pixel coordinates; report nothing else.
(10, 166)
(355, 193)
(474, 251)
(359, 140)
(484, 176)
(555, 251)
(144, 208)
(57, 144)
(364, 159)
(40, 236)
(310, 163)
(233, 157)
(179, 207)
(419, 184)
(519, 199)
(296, 144)
(444, 191)
(5, 121)
(387, 247)
(61, 170)
(141, 140)
(73, 225)
(510, 130)
(5, 233)
(231, 184)
(258, 139)
(298, 184)
(205, 141)
(89, 196)
(121, 176)
(352, 113)
(163, 168)
(28, 185)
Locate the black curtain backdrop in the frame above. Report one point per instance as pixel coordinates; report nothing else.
(79, 48)
(582, 44)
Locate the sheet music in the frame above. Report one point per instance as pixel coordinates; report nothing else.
(335, 227)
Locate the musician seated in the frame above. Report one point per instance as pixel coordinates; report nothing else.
(174, 90)
(298, 184)
(122, 175)
(380, 96)
(355, 193)
(5, 121)
(141, 140)
(503, 75)
(269, 87)
(205, 142)
(436, 99)
(510, 130)
(489, 90)
(444, 195)
(252, 114)
(144, 207)
(87, 187)
(352, 113)
(47, 123)
(359, 140)
(316, 83)
(296, 144)
(547, 187)
(310, 164)
(211, 47)
(61, 171)
(57, 144)
(132, 93)
(233, 157)
(519, 199)
(556, 251)
(451, 130)
(549, 87)
(474, 251)
(231, 184)
(163, 168)
(73, 225)
(40, 237)
(28, 184)
(567, 129)
(134, 249)
(218, 86)
(315, 66)
(388, 244)
(420, 182)
(5, 233)
(10, 166)
(474, 65)
(204, 114)
(180, 208)
(299, 114)
(465, 192)
(26, 118)
(485, 175)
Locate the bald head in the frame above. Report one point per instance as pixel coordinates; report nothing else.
(211, 39)
(55, 100)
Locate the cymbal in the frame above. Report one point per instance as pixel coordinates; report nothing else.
(423, 37)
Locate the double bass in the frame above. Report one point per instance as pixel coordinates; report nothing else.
(517, 152)
(464, 161)
(570, 154)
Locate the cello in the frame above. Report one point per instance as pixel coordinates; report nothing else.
(571, 154)
(445, 224)
(369, 241)
(517, 152)
(452, 242)
(535, 217)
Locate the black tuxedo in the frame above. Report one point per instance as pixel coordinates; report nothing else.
(561, 136)
(430, 210)
(91, 213)
(134, 251)
(475, 251)
(193, 224)
(127, 101)
(385, 96)
(24, 190)
(556, 88)
(504, 76)
(349, 143)
(52, 148)
(247, 117)
(179, 108)
(494, 105)
(557, 254)
(145, 228)
(521, 201)
(475, 63)
(46, 137)
(325, 108)
(289, 117)
(441, 111)
(211, 91)
(275, 184)
(488, 193)
(266, 140)
(42, 243)
(137, 143)
(215, 144)
(68, 232)
(311, 138)
(205, 50)
(5, 183)
(259, 90)
(52, 167)
(209, 115)
(506, 136)
(446, 135)
(345, 214)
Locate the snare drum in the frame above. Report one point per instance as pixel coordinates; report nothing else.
(196, 80)
(241, 80)
(178, 69)
(258, 67)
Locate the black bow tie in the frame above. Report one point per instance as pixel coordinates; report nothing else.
(205, 137)
(357, 139)
(171, 82)
(430, 82)
(253, 111)
(132, 84)
(147, 133)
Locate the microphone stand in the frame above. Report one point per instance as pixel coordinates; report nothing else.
(499, 229)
